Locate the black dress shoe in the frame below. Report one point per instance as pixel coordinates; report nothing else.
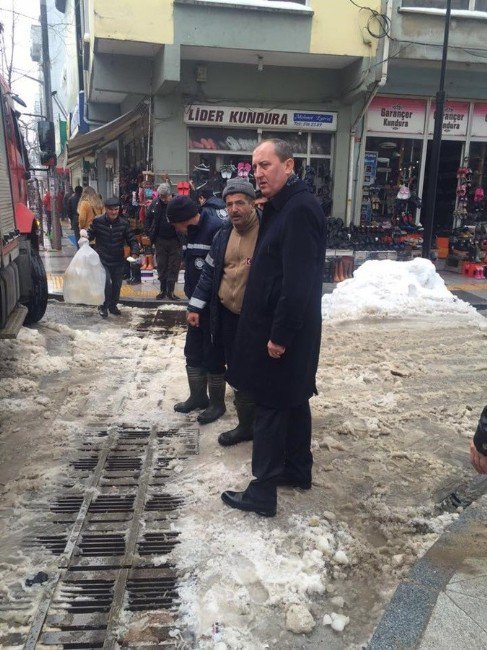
(161, 296)
(102, 310)
(115, 311)
(241, 501)
(284, 481)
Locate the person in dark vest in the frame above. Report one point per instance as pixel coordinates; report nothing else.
(222, 287)
(166, 242)
(205, 367)
(277, 345)
(112, 233)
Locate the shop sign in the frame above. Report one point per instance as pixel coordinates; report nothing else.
(455, 119)
(259, 117)
(370, 167)
(396, 115)
(479, 121)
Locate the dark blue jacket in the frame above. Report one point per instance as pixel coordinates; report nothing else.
(215, 207)
(197, 247)
(480, 438)
(282, 302)
(206, 291)
(156, 224)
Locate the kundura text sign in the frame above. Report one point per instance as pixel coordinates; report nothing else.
(269, 118)
(396, 115)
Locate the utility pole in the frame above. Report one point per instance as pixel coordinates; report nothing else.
(51, 174)
(434, 165)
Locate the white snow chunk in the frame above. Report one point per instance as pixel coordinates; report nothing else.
(299, 619)
(339, 622)
(340, 557)
(396, 289)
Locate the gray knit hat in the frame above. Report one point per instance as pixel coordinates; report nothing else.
(164, 189)
(239, 186)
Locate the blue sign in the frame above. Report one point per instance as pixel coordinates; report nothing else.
(314, 118)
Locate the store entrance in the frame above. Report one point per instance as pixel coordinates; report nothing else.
(446, 193)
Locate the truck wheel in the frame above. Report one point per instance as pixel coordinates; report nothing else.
(38, 296)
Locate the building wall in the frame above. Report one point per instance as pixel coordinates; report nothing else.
(340, 28)
(150, 21)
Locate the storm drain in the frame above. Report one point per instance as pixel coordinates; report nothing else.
(114, 536)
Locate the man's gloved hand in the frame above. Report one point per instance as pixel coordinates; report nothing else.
(83, 233)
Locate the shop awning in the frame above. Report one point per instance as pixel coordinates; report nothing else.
(88, 143)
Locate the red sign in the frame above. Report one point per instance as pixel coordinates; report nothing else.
(396, 115)
(455, 119)
(479, 121)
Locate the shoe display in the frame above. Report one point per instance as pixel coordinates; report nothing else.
(241, 501)
(102, 310)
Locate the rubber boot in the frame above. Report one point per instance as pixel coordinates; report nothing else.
(244, 430)
(170, 291)
(150, 263)
(198, 399)
(216, 391)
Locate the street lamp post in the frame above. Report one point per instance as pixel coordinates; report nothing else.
(429, 217)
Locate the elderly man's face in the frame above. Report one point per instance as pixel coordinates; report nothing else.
(112, 211)
(270, 172)
(240, 208)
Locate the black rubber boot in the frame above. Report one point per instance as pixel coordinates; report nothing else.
(216, 391)
(170, 291)
(244, 430)
(198, 399)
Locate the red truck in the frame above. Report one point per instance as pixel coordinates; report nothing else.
(23, 282)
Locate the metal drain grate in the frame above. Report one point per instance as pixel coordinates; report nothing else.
(163, 503)
(67, 504)
(85, 596)
(152, 592)
(87, 464)
(112, 503)
(157, 543)
(122, 464)
(54, 543)
(103, 545)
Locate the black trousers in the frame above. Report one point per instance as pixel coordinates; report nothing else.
(113, 284)
(168, 258)
(199, 350)
(282, 445)
(227, 333)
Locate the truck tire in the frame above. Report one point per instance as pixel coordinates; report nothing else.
(37, 302)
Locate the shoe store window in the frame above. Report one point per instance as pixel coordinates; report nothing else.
(215, 153)
(477, 192)
(391, 173)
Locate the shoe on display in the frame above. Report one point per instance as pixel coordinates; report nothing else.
(202, 167)
(102, 310)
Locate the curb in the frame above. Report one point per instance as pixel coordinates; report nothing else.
(408, 613)
(133, 302)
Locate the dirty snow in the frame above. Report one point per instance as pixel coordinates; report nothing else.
(388, 444)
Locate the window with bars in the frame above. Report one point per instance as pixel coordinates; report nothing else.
(466, 5)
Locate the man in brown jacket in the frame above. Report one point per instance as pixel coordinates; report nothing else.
(222, 285)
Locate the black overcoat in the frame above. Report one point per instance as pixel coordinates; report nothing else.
(282, 302)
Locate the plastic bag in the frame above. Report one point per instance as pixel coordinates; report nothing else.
(84, 279)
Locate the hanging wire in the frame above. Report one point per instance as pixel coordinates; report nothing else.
(376, 17)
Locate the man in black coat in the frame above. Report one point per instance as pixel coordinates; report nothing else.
(72, 211)
(166, 242)
(211, 205)
(112, 233)
(278, 338)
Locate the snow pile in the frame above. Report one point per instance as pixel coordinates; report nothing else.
(395, 289)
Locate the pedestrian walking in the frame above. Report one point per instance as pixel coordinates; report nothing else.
(278, 338)
(46, 204)
(112, 233)
(478, 446)
(166, 242)
(222, 286)
(72, 211)
(205, 367)
(90, 206)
